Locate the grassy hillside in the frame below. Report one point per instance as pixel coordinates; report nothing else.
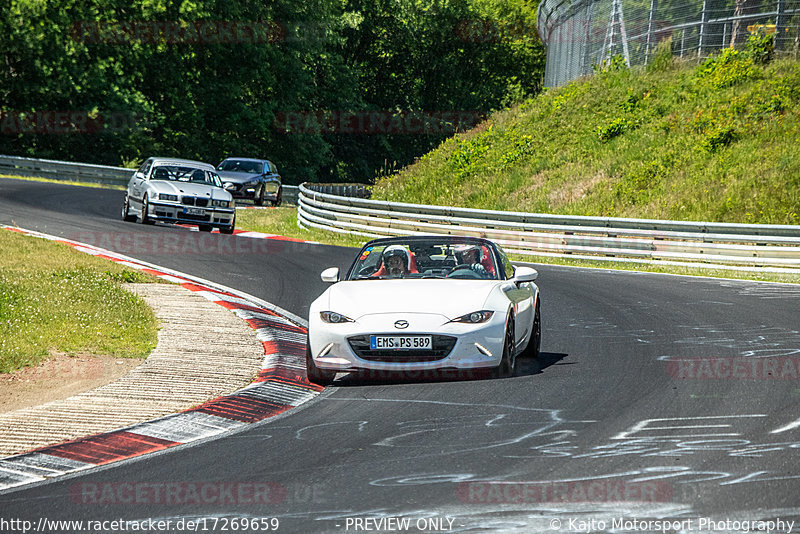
(718, 141)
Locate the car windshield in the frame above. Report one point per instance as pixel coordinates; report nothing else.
(176, 173)
(237, 165)
(425, 258)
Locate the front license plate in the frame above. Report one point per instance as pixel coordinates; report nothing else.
(194, 211)
(400, 342)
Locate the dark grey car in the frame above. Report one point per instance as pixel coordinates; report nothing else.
(254, 179)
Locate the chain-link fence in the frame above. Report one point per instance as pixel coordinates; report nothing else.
(581, 33)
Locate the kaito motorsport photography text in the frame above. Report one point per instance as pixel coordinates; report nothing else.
(700, 524)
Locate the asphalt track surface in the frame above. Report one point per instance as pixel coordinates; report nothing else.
(656, 398)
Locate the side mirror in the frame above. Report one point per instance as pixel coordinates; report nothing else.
(330, 275)
(525, 274)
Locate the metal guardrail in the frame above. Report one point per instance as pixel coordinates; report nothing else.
(735, 246)
(86, 172)
(64, 170)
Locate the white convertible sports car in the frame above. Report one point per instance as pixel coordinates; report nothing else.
(179, 191)
(413, 304)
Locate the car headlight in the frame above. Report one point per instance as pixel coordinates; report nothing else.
(335, 318)
(474, 317)
(165, 196)
(221, 203)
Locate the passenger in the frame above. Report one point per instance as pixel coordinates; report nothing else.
(396, 262)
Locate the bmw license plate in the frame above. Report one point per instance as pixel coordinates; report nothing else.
(399, 342)
(194, 211)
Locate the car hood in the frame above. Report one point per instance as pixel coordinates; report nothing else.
(451, 298)
(187, 188)
(238, 177)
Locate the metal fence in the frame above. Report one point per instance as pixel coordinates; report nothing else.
(758, 247)
(85, 172)
(581, 33)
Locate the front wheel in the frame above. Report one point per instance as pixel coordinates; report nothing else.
(229, 229)
(508, 361)
(258, 199)
(145, 217)
(316, 375)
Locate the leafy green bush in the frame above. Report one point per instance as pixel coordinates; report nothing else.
(730, 68)
(468, 153)
(719, 137)
(760, 47)
(523, 146)
(613, 129)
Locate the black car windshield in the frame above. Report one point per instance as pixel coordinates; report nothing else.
(428, 258)
(237, 165)
(176, 173)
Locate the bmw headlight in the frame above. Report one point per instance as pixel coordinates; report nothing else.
(165, 196)
(335, 318)
(221, 203)
(474, 317)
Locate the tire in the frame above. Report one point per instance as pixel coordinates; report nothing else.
(144, 218)
(229, 229)
(205, 227)
(278, 198)
(316, 375)
(535, 343)
(508, 362)
(258, 200)
(126, 215)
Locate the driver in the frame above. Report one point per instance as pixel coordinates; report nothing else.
(471, 255)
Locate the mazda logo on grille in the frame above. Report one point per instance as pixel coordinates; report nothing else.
(401, 324)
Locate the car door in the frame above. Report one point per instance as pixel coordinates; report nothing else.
(521, 295)
(272, 178)
(137, 184)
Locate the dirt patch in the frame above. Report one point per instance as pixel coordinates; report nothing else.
(60, 377)
(525, 196)
(574, 190)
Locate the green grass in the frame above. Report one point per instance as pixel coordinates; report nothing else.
(53, 298)
(715, 142)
